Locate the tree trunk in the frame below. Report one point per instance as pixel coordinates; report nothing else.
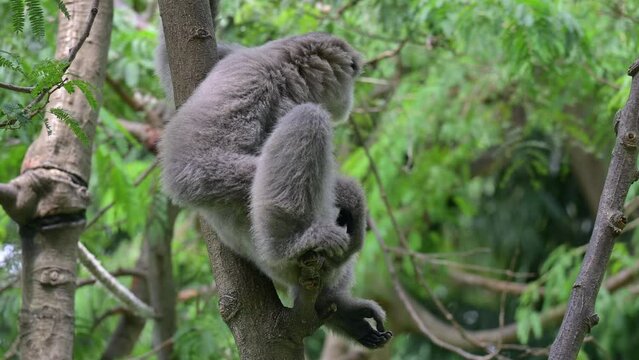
(48, 200)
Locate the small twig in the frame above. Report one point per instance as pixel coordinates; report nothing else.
(386, 54)
(117, 273)
(341, 10)
(108, 313)
(428, 259)
(189, 294)
(16, 88)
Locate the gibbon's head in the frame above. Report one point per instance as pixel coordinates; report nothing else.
(325, 68)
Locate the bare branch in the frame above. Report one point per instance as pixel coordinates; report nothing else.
(112, 284)
(116, 273)
(418, 271)
(16, 88)
(622, 172)
(412, 310)
(85, 34)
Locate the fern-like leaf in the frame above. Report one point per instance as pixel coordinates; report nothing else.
(17, 14)
(46, 74)
(63, 9)
(6, 63)
(14, 112)
(72, 123)
(36, 17)
(86, 89)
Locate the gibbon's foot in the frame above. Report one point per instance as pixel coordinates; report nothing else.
(351, 319)
(375, 339)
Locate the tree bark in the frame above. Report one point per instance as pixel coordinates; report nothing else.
(622, 172)
(49, 198)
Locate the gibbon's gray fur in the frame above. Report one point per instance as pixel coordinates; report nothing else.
(251, 151)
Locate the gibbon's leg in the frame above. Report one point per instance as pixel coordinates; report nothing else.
(292, 202)
(350, 317)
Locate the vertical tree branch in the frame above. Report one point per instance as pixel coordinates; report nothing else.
(622, 172)
(50, 196)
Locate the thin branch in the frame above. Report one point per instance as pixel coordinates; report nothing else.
(115, 311)
(85, 34)
(433, 260)
(117, 273)
(399, 289)
(418, 271)
(112, 284)
(194, 293)
(610, 221)
(122, 94)
(386, 54)
(502, 286)
(16, 88)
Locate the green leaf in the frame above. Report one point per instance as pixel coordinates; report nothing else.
(73, 124)
(86, 89)
(63, 9)
(14, 111)
(17, 14)
(36, 17)
(6, 63)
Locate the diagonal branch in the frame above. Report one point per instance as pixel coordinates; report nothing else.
(118, 290)
(622, 172)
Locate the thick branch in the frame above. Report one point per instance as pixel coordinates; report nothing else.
(580, 317)
(55, 172)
